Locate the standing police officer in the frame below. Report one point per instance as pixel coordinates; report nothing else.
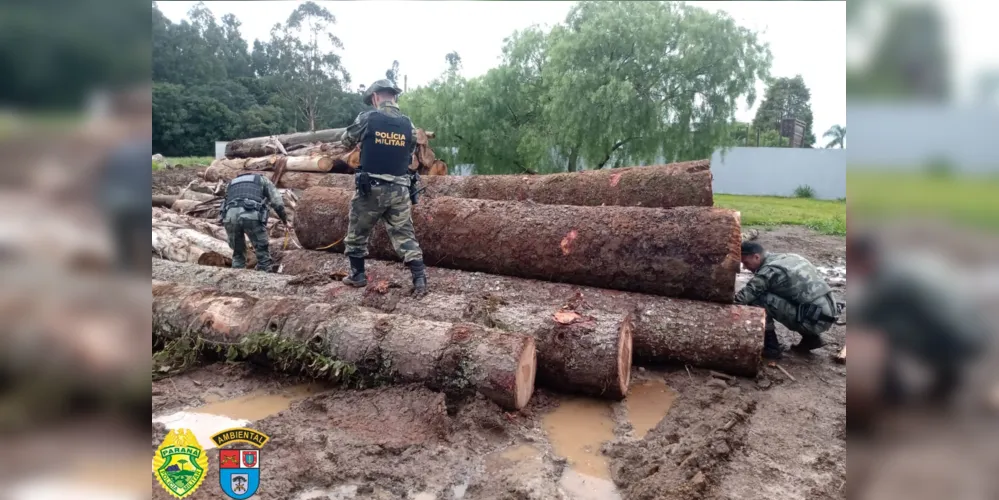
(385, 184)
(244, 211)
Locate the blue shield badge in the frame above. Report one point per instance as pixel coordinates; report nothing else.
(239, 472)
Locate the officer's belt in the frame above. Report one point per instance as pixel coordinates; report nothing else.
(810, 311)
(240, 201)
(382, 182)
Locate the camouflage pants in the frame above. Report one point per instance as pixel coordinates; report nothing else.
(388, 202)
(786, 313)
(235, 228)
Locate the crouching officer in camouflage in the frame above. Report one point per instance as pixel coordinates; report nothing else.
(244, 211)
(793, 293)
(386, 187)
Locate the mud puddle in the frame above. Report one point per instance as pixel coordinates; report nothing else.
(576, 430)
(648, 402)
(219, 415)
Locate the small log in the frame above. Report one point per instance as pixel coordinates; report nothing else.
(261, 146)
(499, 365)
(189, 194)
(160, 200)
(686, 252)
(841, 357)
(190, 245)
(227, 170)
(185, 245)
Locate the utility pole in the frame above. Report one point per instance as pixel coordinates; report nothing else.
(405, 83)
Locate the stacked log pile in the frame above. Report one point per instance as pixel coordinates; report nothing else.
(594, 268)
(302, 160)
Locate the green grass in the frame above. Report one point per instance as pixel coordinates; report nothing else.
(826, 217)
(971, 200)
(187, 161)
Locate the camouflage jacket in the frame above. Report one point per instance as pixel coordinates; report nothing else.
(787, 275)
(355, 132)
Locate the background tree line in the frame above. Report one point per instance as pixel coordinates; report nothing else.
(617, 83)
(209, 85)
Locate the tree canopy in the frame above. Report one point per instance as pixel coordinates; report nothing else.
(616, 83)
(786, 98)
(208, 84)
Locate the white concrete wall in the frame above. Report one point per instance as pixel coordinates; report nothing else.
(778, 171)
(910, 135)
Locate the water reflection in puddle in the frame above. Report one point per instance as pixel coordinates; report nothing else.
(576, 429)
(219, 415)
(648, 402)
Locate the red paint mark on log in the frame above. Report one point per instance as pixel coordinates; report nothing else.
(566, 317)
(567, 241)
(460, 333)
(615, 179)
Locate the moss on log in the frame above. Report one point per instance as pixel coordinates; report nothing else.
(727, 338)
(453, 357)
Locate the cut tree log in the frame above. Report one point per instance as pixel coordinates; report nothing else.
(727, 338)
(260, 146)
(185, 244)
(208, 209)
(686, 252)
(171, 219)
(227, 170)
(665, 186)
(202, 244)
(163, 200)
(499, 365)
(581, 351)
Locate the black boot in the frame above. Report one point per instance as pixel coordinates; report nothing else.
(771, 345)
(357, 277)
(808, 343)
(419, 277)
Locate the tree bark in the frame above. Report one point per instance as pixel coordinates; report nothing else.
(727, 338)
(258, 146)
(663, 186)
(500, 365)
(186, 244)
(227, 170)
(163, 200)
(687, 252)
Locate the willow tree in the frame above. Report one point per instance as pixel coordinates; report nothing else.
(636, 81)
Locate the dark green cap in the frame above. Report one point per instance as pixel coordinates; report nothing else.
(379, 86)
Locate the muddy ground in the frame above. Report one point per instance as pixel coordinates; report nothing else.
(172, 180)
(681, 434)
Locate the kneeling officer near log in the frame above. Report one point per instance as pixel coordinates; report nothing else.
(793, 293)
(386, 188)
(244, 211)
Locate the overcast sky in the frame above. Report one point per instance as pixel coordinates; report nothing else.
(805, 37)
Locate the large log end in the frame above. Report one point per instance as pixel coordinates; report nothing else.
(527, 368)
(624, 356)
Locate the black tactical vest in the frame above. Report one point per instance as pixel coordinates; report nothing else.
(245, 187)
(385, 146)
